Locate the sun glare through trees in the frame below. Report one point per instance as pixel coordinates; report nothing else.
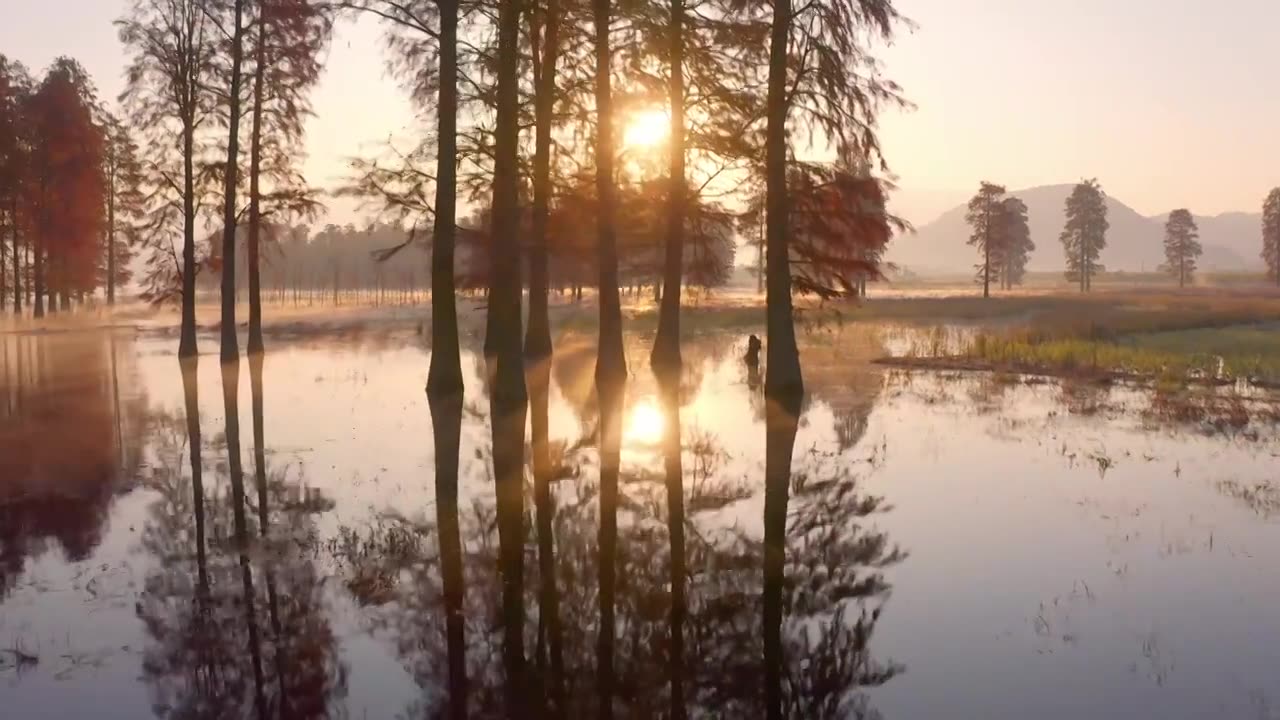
(639, 359)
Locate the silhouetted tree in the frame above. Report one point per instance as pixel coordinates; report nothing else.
(423, 29)
(547, 20)
(1271, 234)
(984, 217)
(15, 89)
(611, 367)
(1017, 245)
(1181, 246)
(65, 188)
(840, 229)
(821, 77)
(231, 175)
(288, 37)
(1085, 233)
(167, 96)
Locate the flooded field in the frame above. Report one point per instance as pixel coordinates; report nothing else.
(271, 540)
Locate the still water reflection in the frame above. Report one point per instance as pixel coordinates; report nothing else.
(309, 536)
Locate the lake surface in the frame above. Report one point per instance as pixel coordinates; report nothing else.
(956, 546)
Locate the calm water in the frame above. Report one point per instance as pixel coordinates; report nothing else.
(955, 546)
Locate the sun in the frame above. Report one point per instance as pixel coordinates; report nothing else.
(646, 129)
(645, 423)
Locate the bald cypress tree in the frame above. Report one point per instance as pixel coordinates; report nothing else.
(1271, 235)
(167, 95)
(985, 217)
(1181, 246)
(1085, 233)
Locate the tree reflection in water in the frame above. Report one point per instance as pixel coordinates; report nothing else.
(73, 424)
(690, 640)
(210, 654)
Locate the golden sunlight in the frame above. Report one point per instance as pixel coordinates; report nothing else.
(644, 424)
(646, 129)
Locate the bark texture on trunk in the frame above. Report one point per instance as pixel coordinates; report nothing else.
(230, 347)
(508, 402)
(782, 374)
(611, 365)
(445, 374)
(187, 342)
(256, 346)
(537, 339)
(666, 346)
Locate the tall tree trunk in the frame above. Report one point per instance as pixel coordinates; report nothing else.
(782, 417)
(986, 256)
(666, 346)
(187, 343)
(17, 260)
(111, 242)
(255, 191)
(230, 349)
(1084, 265)
(37, 270)
(445, 374)
(782, 375)
(611, 364)
(537, 339)
(508, 402)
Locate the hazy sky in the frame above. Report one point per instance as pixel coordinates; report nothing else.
(1168, 102)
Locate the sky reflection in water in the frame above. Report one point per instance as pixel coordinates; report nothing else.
(965, 547)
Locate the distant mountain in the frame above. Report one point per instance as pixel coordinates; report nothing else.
(1134, 242)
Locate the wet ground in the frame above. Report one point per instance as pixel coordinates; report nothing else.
(958, 546)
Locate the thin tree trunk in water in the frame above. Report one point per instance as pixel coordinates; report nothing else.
(187, 343)
(537, 340)
(446, 427)
(17, 261)
(445, 375)
(611, 364)
(782, 416)
(508, 402)
(782, 374)
(611, 369)
(666, 346)
(549, 629)
(111, 242)
(670, 389)
(37, 270)
(255, 194)
(230, 349)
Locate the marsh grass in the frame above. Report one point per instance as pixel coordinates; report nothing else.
(1200, 337)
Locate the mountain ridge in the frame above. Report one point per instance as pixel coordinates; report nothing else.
(1231, 240)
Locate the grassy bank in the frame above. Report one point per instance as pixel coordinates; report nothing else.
(1195, 337)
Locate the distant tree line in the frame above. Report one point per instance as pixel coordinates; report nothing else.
(69, 189)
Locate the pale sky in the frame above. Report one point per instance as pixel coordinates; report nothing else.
(1169, 103)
